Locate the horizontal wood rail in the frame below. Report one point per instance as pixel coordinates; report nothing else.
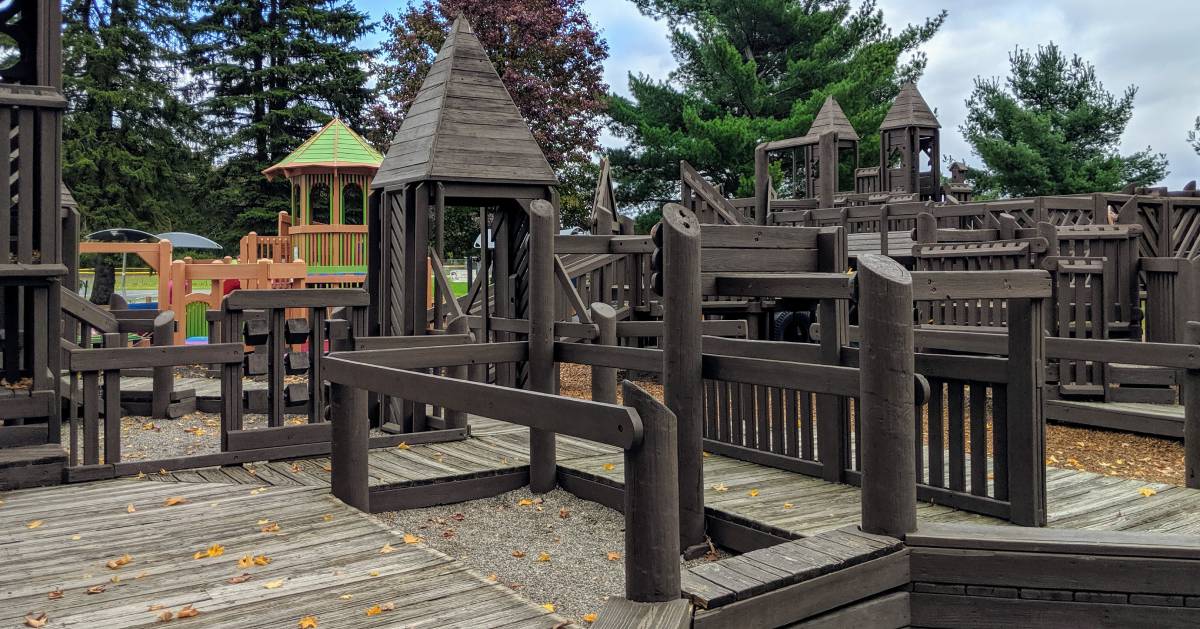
(631, 358)
(820, 379)
(104, 359)
(435, 356)
(603, 423)
(405, 342)
(798, 285)
(602, 244)
(1018, 284)
(297, 298)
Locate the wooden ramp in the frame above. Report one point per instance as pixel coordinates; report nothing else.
(325, 561)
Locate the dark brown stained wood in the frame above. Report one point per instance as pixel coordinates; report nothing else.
(448, 490)
(630, 358)
(714, 328)
(144, 357)
(651, 503)
(463, 125)
(603, 423)
(350, 440)
(942, 611)
(842, 381)
(808, 598)
(770, 350)
(1191, 403)
(1018, 284)
(296, 298)
(424, 355)
(619, 613)
(604, 379)
(890, 611)
(87, 312)
(542, 369)
(800, 285)
(371, 343)
(740, 260)
(602, 244)
(909, 110)
(37, 404)
(1058, 541)
(758, 237)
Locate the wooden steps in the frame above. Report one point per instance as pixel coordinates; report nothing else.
(1162, 420)
(31, 466)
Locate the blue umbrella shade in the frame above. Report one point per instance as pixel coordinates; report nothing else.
(121, 234)
(184, 240)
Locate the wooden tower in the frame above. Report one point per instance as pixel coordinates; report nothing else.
(463, 143)
(32, 264)
(908, 147)
(816, 159)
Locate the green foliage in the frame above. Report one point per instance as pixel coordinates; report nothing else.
(1052, 128)
(269, 74)
(751, 72)
(1193, 136)
(128, 133)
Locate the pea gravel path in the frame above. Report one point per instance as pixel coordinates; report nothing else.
(575, 574)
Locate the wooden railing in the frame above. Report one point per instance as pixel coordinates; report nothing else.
(330, 245)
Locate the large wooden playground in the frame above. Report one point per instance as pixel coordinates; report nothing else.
(856, 382)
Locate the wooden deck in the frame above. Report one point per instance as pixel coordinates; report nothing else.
(1164, 420)
(325, 561)
(1076, 499)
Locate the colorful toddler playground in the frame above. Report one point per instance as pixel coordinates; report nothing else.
(823, 409)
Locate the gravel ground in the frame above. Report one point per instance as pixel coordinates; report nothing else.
(505, 537)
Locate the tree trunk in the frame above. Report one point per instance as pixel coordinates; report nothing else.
(105, 281)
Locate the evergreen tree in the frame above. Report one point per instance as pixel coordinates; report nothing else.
(128, 135)
(1193, 136)
(751, 72)
(1052, 128)
(269, 73)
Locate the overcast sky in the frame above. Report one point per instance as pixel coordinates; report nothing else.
(1151, 44)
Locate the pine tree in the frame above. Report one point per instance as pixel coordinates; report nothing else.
(751, 72)
(269, 73)
(1052, 128)
(1193, 136)
(128, 134)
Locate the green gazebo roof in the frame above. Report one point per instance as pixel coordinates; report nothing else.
(334, 147)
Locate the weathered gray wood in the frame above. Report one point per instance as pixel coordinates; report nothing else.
(890, 611)
(943, 611)
(349, 445)
(433, 355)
(1055, 541)
(164, 380)
(1191, 413)
(887, 397)
(146, 357)
(604, 379)
(1017, 284)
(798, 285)
(296, 298)
(683, 385)
(1026, 434)
(542, 228)
(455, 418)
(619, 613)
(651, 503)
(448, 490)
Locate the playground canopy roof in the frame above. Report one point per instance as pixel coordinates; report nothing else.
(463, 125)
(335, 147)
(909, 110)
(831, 118)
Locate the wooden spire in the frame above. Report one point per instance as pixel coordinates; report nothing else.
(832, 118)
(909, 110)
(463, 125)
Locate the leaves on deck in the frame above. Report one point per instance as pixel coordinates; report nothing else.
(36, 620)
(174, 500)
(97, 589)
(387, 548)
(123, 560)
(752, 493)
(402, 446)
(720, 487)
(308, 622)
(409, 538)
(271, 585)
(608, 467)
(518, 554)
(215, 550)
(270, 527)
(54, 595)
(548, 607)
(130, 509)
(1147, 492)
(187, 612)
(241, 578)
(375, 610)
(34, 524)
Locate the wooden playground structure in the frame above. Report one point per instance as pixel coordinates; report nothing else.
(897, 411)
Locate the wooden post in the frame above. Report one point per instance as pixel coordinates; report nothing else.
(1026, 422)
(885, 212)
(833, 315)
(457, 419)
(1191, 413)
(651, 503)
(683, 384)
(762, 185)
(887, 364)
(174, 299)
(604, 379)
(827, 178)
(926, 228)
(112, 404)
(350, 442)
(542, 466)
(164, 381)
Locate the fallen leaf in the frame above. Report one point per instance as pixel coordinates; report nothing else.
(130, 508)
(241, 578)
(140, 574)
(374, 610)
(149, 426)
(114, 579)
(155, 607)
(387, 607)
(563, 513)
(55, 595)
(458, 517)
(788, 505)
(327, 468)
(614, 555)
(271, 585)
(373, 573)
(387, 548)
(328, 517)
(263, 521)
(548, 607)
(448, 533)
(543, 557)
(261, 560)
(273, 527)
(608, 467)
(141, 475)
(96, 589)
(166, 616)
(187, 612)
(35, 524)
(492, 577)
(518, 554)
(216, 550)
(409, 538)
(1147, 492)
(308, 622)
(346, 597)
(36, 620)
(402, 446)
(590, 618)
(174, 500)
(162, 471)
(720, 487)
(76, 537)
(245, 561)
(752, 493)
(114, 564)
(524, 502)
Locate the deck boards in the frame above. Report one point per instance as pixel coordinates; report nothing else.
(318, 559)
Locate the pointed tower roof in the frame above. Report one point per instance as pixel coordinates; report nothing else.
(463, 125)
(832, 118)
(909, 110)
(335, 146)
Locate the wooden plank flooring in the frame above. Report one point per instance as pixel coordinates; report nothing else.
(323, 552)
(1164, 420)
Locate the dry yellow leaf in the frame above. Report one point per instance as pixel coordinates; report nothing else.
(346, 597)
(327, 468)
(308, 622)
(1147, 492)
(162, 471)
(563, 513)
(374, 610)
(518, 554)
(273, 527)
(614, 555)
(174, 500)
(115, 579)
(328, 517)
(707, 454)
(76, 537)
(141, 475)
(387, 607)
(590, 618)
(608, 467)
(114, 564)
(187, 612)
(788, 505)
(166, 616)
(216, 550)
(752, 493)
(387, 548)
(492, 577)
(261, 560)
(35, 524)
(263, 521)
(271, 585)
(130, 508)
(245, 561)
(720, 487)
(548, 607)
(241, 578)
(96, 589)
(524, 502)
(543, 557)
(402, 446)
(36, 620)
(155, 607)
(140, 574)
(373, 573)
(409, 538)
